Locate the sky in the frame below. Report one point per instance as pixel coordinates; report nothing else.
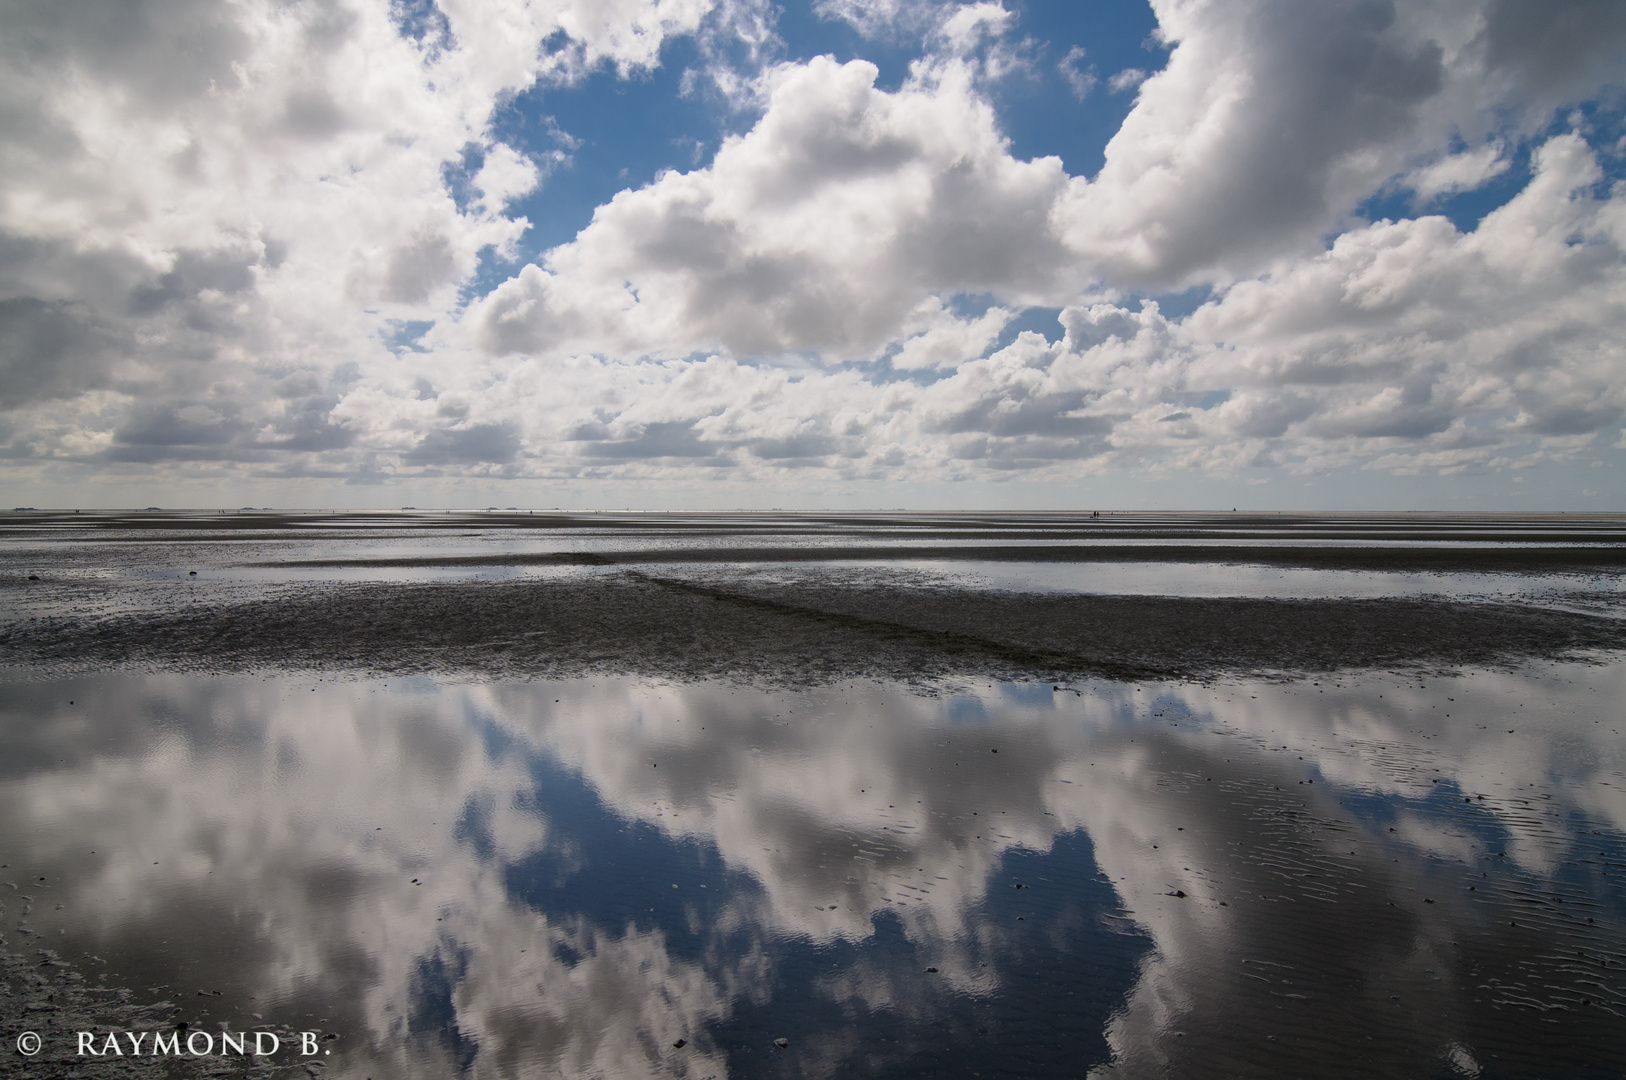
(695, 254)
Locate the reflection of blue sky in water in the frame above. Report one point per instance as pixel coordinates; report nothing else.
(484, 876)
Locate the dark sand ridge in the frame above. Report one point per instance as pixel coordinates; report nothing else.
(1504, 559)
(799, 632)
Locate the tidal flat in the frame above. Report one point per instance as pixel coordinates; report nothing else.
(736, 795)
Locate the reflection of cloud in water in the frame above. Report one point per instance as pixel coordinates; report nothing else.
(842, 803)
(274, 836)
(545, 935)
(1337, 934)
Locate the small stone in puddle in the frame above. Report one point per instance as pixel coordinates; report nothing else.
(931, 971)
(680, 1044)
(781, 1043)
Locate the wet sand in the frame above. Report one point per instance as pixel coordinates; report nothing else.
(804, 632)
(688, 760)
(1485, 559)
(669, 595)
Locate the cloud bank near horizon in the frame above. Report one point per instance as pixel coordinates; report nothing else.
(255, 242)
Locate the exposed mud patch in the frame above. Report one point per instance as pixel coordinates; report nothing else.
(800, 632)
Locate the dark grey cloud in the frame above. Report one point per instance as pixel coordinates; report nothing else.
(229, 430)
(804, 444)
(589, 431)
(999, 241)
(416, 268)
(228, 271)
(1558, 47)
(311, 113)
(180, 424)
(1018, 453)
(307, 425)
(1014, 411)
(670, 439)
(1415, 414)
(160, 51)
(121, 313)
(1269, 415)
(477, 444)
(52, 350)
(1572, 418)
(756, 301)
(54, 270)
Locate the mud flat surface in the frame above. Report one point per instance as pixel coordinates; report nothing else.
(799, 599)
(810, 632)
(505, 794)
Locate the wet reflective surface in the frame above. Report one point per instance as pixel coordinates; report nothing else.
(226, 554)
(1598, 592)
(1340, 876)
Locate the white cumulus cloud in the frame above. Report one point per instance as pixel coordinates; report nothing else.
(265, 240)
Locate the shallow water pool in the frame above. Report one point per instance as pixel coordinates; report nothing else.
(1356, 876)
